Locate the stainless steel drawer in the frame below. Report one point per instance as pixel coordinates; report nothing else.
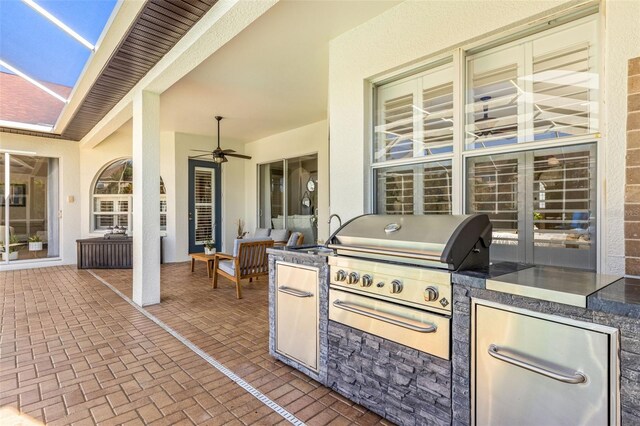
(297, 313)
(536, 369)
(424, 331)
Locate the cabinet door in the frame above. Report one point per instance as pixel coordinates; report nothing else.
(297, 313)
(539, 371)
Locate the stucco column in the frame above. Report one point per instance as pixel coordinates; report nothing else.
(146, 198)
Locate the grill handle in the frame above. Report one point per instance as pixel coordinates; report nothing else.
(367, 312)
(294, 292)
(575, 379)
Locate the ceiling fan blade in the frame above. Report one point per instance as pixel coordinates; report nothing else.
(200, 150)
(228, 151)
(200, 156)
(246, 157)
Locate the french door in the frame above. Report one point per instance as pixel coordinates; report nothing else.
(205, 207)
(29, 211)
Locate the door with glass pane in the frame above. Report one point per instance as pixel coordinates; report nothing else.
(205, 210)
(288, 196)
(29, 219)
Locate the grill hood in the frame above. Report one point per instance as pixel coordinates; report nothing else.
(453, 242)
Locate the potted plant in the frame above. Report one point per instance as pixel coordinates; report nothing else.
(241, 232)
(209, 247)
(35, 243)
(13, 248)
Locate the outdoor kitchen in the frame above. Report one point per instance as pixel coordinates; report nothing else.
(412, 321)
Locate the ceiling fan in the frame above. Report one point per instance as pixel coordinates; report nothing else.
(220, 155)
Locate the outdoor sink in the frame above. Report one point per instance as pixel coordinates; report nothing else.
(314, 250)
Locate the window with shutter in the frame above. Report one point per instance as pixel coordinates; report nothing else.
(541, 204)
(544, 87)
(541, 88)
(415, 189)
(113, 197)
(415, 116)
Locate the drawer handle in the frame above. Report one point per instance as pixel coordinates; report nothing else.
(577, 377)
(367, 312)
(294, 292)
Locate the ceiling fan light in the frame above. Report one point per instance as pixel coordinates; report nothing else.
(218, 160)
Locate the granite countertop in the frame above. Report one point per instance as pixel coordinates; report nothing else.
(621, 297)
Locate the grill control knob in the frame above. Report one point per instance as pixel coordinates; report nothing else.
(341, 275)
(431, 294)
(396, 286)
(353, 278)
(366, 281)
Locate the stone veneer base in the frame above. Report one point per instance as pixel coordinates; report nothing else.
(401, 384)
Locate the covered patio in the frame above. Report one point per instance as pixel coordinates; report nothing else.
(74, 351)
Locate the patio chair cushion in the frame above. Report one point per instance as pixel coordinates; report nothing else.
(293, 239)
(227, 266)
(280, 235)
(237, 242)
(261, 232)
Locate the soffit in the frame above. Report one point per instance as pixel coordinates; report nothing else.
(158, 27)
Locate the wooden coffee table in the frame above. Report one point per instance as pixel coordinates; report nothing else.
(203, 258)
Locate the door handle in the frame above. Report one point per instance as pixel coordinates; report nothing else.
(391, 319)
(294, 292)
(190, 216)
(577, 377)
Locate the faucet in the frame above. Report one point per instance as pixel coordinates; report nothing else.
(331, 217)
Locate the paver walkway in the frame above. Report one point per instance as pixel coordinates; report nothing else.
(74, 352)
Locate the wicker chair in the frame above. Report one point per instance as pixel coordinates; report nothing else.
(249, 260)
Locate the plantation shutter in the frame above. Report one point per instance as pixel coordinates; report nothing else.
(436, 112)
(437, 188)
(493, 184)
(398, 192)
(494, 101)
(563, 204)
(395, 128)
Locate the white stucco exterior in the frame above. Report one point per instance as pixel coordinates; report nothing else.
(414, 31)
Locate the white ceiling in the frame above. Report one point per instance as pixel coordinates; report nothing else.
(271, 78)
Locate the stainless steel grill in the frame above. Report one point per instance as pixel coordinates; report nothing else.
(391, 276)
(453, 242)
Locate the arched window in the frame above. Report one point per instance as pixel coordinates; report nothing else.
(112, 197)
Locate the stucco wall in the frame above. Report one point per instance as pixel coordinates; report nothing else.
(413, 31)
(309, 139)
(68, 154)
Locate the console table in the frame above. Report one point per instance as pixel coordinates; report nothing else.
(112, 253)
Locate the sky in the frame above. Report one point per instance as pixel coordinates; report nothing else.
(34, 45)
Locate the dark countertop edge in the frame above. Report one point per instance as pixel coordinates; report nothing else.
(621, 297)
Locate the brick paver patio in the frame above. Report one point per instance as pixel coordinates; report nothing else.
(73, 352)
